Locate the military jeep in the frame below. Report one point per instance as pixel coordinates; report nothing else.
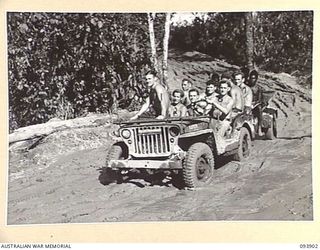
(190, 145)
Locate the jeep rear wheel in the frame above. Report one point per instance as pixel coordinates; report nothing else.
(243, 151)
(198, 165)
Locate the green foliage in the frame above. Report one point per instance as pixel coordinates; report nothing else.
(67, 64)
(64, 65)
(283, 40)
(220, 35)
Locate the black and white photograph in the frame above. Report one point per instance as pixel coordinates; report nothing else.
(159, 116)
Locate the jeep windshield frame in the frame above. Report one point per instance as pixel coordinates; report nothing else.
(166, 120)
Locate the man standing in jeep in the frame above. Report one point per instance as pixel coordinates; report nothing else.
(157, 103)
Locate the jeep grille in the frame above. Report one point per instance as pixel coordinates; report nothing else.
(151, 140)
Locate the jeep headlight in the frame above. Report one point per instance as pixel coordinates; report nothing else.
(125, 133)
(174, 131)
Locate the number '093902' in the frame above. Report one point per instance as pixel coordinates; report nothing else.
(309, 246)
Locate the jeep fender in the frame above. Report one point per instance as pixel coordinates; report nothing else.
(206, 136)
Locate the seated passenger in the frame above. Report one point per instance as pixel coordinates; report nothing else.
(246, 91)
(186, 86)
(222, 107)
(196, 106)
(177, 109)
(235, 93)
(210, 91)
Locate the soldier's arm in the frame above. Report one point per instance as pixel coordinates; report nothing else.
(208, 108)
(226, 110)
(249, 98)
(143, 109)
(184, 111)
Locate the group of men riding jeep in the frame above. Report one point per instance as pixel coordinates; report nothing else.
(224, 98)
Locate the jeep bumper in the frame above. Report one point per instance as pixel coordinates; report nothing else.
(152, 164)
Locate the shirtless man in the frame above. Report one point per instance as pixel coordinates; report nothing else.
(222, 107)
(177, 109)
(235, 93)
(246, 91)
(157, 103)
(186, 86)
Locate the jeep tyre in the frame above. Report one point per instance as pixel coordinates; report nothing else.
(243, 151)
(114, 153)
(198, 166)
(271, 133)
(112, 175)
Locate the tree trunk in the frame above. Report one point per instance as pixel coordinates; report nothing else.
(165, 49)
(151, 17)
(249, 40)
(44, 129)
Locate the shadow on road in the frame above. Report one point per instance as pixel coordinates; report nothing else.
(141, 178)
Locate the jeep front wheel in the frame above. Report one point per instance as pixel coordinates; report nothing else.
(243, 151)
(114, 153)
(110, 175)
(198, 165)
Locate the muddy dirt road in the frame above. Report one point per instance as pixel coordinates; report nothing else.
(60, 180)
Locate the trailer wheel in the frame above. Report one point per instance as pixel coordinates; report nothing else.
(271, 133)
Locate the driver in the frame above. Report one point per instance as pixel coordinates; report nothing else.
(157, 103)
(196, 107)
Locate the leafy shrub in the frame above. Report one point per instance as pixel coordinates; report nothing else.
(67, 64)
(282, 40)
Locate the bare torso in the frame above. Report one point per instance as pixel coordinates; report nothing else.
(237, 97)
